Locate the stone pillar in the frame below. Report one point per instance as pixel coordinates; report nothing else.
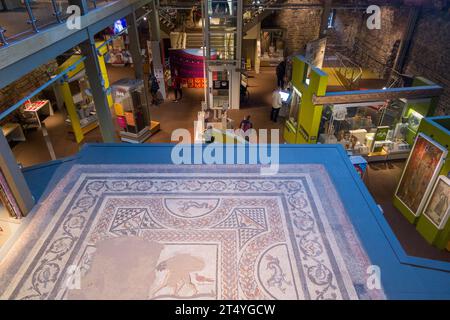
(325, 14)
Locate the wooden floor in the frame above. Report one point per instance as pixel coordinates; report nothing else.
(381, 180)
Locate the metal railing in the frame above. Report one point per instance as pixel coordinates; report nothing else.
(37, 15)
(349, 69)
(256, 8)
(361, 54)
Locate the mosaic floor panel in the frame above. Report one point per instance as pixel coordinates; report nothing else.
(191, 232)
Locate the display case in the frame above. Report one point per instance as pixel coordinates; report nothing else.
(376, 130)
(131, 111)
(272, 47)
(83, 102)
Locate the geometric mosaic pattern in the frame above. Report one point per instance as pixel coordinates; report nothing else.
(189, 232)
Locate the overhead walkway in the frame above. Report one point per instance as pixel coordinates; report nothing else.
(20, 56)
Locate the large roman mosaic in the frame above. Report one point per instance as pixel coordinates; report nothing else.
(189, 232)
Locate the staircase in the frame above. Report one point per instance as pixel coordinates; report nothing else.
(194, 40)
(258, 12)
(348, 72)
(167, 20)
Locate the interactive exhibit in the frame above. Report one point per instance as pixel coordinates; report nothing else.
(272, 47)
(376, 130)
(423, 193)
(126, 96)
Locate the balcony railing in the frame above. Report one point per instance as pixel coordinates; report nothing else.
(22, 18)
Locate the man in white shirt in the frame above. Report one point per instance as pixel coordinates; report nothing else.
(276, 105)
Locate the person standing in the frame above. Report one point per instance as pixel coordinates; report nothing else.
(276, 105)
(154, 87)
(281, 72)
(208, 135)
(245, 127)
(177, 86)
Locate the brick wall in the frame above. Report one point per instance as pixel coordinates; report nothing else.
(429, 54)
(347, 24)
(382, 45)
(20, 88)
(301, 26)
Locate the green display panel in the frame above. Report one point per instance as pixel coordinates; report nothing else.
(309, 81)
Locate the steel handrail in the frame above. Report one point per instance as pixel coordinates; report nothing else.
(32, 21)
(341, 59)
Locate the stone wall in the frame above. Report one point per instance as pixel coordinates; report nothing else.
(372, 48)
(347, 24)
(429, 54)
(301, 26)
(20, 88)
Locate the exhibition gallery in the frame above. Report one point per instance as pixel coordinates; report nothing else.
(224, 150)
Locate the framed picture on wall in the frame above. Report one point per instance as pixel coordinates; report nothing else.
(437, 209)
(420, 173)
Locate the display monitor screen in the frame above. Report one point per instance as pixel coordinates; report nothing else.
(284, 96)
(119, 25)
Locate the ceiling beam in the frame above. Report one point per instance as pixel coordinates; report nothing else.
(378, 95)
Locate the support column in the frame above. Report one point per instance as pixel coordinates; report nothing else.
(14, 177)
(413, 17)
(158, 64)
(325, 14)
(99, 94)
(236, 73)
(135, 48)
(258, 48)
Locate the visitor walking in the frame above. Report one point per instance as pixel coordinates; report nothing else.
(281, 72)
(177, 86)
(245, 127)
(277, 102)
(208, 135)
(154, 87)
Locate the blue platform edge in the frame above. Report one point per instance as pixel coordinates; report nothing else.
(402, 276)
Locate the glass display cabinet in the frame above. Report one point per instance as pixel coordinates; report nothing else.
(131, 111)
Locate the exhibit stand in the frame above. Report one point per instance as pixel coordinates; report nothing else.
(304, 117)
(379, 125)
(76, 93)
(132, 114)
(423, 193)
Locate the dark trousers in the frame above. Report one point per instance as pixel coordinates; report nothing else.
(178, 92)
(280, 82)
(274, 114)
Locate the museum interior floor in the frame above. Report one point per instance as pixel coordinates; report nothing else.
(381, 178)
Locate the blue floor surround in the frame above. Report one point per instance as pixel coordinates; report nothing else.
(402, 276)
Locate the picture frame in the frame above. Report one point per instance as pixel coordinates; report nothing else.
(421, 170)
(437, 208)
